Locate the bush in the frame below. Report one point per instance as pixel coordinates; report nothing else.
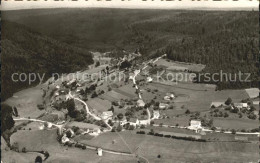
(140, 132)
(24, 150)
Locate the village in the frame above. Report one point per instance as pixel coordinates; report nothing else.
(83, 111)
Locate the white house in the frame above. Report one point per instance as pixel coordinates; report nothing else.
(100, 152)
(133, 121)
(195, 125)
(64, 139)
(149, 79)
(167, 98)
(163, 106)
(144, 122)
(107, 115)
(241, 105)
(156, 114)
(171, 95)
(140, 103)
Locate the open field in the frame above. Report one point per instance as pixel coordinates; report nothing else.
(99, 104)
(228, 123)
(172, 150)
(26, 102)
(200, 96)
(46, 140)
(113, 96)
(173, 65)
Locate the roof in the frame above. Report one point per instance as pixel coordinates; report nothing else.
(140, 102)
(217, 104)
(240, 104)
(133, 120)
(195, 122)
(107, 113)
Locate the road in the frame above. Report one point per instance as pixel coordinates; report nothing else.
(87, 110)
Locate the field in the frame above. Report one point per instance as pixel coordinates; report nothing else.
(26, 102)
(198, 97)
(230, 123)
(173, 65)
(99, 104)
(172, 150)
(46, 140)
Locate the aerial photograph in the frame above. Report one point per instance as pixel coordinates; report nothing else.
(165, 84)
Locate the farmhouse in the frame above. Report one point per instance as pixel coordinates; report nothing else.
(217, 104)
(163, 106)
(140, 103)
(171, 95)
(64, 139)
(107, 115)
(241, 105)
(144, 122)
(167, 98)
(195, 125)
(149, 79)
(133, 121)
(156, 114)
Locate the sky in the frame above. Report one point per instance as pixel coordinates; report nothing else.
(148, 4)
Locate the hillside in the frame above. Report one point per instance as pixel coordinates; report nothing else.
(25, 51)
(223, 40)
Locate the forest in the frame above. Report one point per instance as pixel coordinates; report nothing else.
(31, 52)
(59, 40)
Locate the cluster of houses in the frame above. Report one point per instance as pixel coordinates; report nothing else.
(236, 105)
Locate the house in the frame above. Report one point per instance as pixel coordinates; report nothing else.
(64, 139)
(107, 115)
(149, 79)
(217, 104)
(99, 152)
(163, 106)
(195, 125)
(140, 103)
(241, 105)
(167, 98)
(144, 122)
(94, 132)
(123, 121)
(171, 95)
(156, 114)
(133, 121)
(70, 132)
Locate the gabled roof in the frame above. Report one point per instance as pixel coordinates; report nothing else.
(133, 120)
(107, 113)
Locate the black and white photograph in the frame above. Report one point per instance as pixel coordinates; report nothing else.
(130, 81)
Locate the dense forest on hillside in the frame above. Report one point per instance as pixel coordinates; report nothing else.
(223, 40)
(25, 51)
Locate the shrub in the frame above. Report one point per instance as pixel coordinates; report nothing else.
(24, 150)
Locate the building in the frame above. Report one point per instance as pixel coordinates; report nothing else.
(241, 105)
(149, 79)
(64, 139)
(163, 106)
(107, 115)
(217, 104)
(133, 121)
(195, 125)
(167, 98)
(144, 122)
(99, 152)
(171, 95)
(140, 103)
(156, 114)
